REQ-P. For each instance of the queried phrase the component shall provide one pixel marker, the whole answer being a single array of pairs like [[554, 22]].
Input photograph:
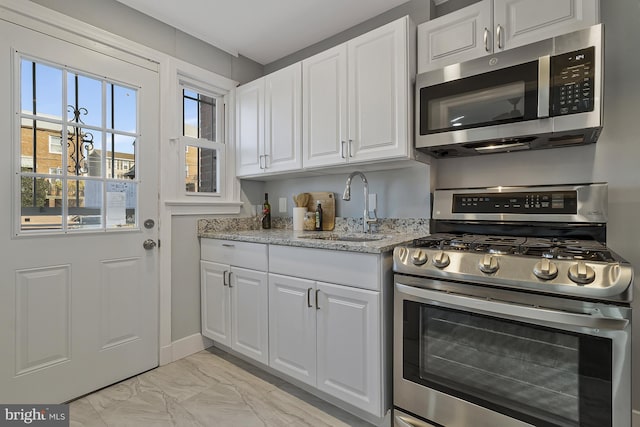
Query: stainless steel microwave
[[544, 95]]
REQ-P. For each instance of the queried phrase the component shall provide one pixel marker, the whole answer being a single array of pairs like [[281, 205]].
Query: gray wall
[[418, 10], [401, 193], [124, 21], [613, 159]]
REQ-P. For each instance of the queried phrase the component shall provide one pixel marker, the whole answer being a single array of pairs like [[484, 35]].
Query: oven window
[[543, 376], [502, 96]]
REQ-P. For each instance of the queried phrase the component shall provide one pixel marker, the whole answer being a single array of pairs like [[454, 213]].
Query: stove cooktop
[[562, 266], [551, 248]]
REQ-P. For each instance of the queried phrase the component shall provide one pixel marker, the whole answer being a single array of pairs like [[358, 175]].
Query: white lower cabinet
[[235, 300], [326, 323], [316, 316], [327, 336]]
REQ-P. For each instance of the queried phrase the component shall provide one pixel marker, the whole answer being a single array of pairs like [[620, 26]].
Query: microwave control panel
[[572, 80]]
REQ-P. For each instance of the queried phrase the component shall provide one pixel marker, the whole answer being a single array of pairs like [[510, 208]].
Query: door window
[[77, 148]]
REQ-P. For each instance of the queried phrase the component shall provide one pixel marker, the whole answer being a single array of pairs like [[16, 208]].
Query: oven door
[[466, 360]]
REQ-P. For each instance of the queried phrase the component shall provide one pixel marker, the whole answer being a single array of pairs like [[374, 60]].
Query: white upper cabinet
[[250, 128], [356, 99], [492, 26], [324, 94], [268, 123]]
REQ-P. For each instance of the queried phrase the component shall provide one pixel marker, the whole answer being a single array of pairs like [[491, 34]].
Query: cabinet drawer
[[240, 254], [343, 268]]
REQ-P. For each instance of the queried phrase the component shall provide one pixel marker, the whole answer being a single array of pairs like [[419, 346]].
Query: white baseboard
[[184, 347], [635, 418]]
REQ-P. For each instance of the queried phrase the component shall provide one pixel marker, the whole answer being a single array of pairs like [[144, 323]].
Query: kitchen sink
[[342, 238]]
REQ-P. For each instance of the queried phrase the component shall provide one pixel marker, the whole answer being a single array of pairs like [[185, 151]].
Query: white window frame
[[55, 141], [220, 139], [178, 75]]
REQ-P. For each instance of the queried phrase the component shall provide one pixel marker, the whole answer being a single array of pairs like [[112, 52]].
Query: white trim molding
[[184, 347]]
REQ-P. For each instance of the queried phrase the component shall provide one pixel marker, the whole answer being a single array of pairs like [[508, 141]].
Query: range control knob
[[441, 260], [489, 264], [545, 269], [581, 273], [419, 257]]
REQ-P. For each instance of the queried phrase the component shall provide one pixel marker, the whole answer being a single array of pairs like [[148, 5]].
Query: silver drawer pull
[[228, 245]]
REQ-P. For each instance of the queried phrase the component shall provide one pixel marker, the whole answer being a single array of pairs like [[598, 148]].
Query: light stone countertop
[[389, 234], [317, 239]]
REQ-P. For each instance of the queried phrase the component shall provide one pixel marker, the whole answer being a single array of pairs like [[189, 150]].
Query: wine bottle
[[266, 212], [318, 216]]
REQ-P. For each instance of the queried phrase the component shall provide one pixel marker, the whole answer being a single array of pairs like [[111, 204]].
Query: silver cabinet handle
[[499, 36], [260, 161], [265, 160], [342, 149], [351, 148], [486, 39], [317, 304], [230, 279], [224, 278], [228, 245], [309, 298]]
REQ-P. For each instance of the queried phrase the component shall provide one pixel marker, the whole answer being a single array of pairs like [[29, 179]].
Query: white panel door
[[378, 94], [250, 128], [283, 119], [292, 327], [527, 21], [215, 300], [79, 296], [348, 339], [324, 94], [249, 313]]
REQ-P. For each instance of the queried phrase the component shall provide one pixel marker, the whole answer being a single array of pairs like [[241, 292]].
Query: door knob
[[149, 244]]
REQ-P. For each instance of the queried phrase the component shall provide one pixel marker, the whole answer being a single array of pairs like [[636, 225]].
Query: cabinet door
[[216, 318], [348, 339], [249, 313], [459, 36], [379, 93], [324, 94], [283, 116], [292, 327], [527, 21], [250, 128]]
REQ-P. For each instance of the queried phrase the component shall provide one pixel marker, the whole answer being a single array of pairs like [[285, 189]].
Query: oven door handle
[[518, 312]]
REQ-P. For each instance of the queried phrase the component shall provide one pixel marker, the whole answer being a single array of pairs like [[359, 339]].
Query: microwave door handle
[[517, 312], [544, 85]]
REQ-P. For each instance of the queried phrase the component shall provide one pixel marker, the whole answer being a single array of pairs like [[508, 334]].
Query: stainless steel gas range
[[513, 313]]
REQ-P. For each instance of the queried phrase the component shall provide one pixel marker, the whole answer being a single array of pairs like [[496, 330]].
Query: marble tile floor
[[209, 388]]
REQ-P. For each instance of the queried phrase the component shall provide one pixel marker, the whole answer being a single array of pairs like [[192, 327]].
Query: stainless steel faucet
[[366, 219]]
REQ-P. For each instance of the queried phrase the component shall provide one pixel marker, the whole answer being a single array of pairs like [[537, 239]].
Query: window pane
[[41, 156], [84, 199], [199, 115], [201, 170], [190, 125], [41, 201], [41, 90], [84, 151], [122, 199], [121, 108], [121, 156], [207, 118], [84, 98]]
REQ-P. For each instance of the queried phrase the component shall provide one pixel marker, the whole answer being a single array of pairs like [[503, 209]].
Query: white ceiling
[[263, 30]]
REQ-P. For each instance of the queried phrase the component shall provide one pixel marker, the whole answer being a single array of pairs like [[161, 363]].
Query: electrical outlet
[[373, 201], [282, 205]]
